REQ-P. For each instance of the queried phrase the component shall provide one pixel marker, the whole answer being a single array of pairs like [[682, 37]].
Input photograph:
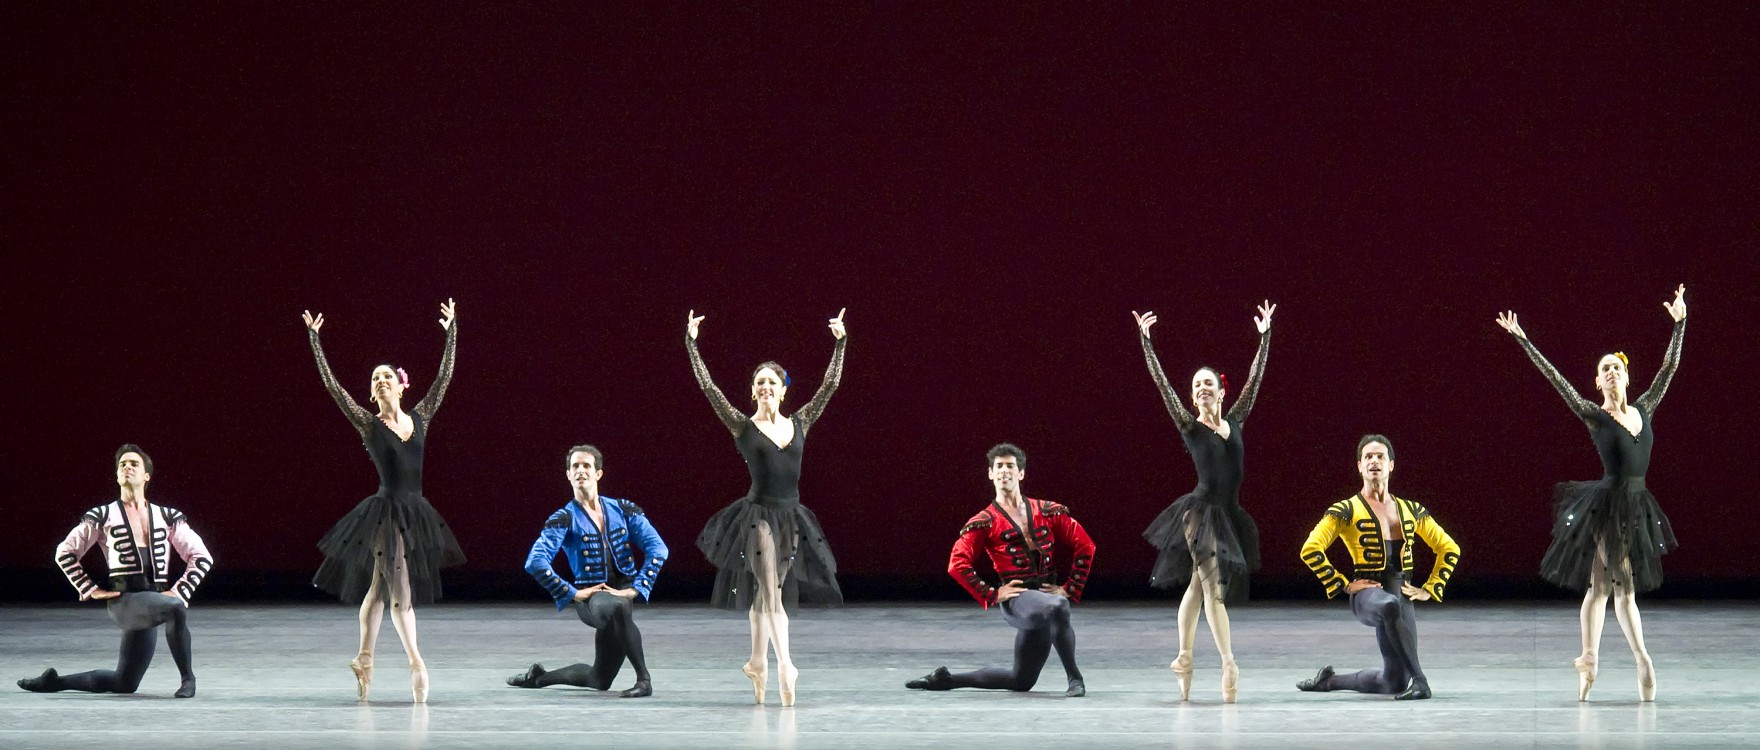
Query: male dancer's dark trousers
[[1041, 623], [139, 614], [1392, 616], [617, 639]]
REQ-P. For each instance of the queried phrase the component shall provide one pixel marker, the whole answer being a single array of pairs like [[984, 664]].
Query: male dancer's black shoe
[[940, 679], [1417, 692], [47, 682], [640, 690], [1317, 683], [1076, 688], [529, 679], [186, 690]]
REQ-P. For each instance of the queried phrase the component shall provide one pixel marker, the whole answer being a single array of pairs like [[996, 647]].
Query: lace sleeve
[[730, 416], [1181, 418], [430, 402], [357, 416], [1243, 404], [1670, 360], [1579, 405], [833, 374]]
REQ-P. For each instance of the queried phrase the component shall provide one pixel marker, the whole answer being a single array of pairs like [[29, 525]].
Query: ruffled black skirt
[[806, 570], [1197, 529], [393, 534], [1618, 515]]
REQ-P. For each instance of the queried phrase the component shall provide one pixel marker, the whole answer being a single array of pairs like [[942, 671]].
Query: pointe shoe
[[1585, 677], [760, 676], [1231, 677], [418, 681], [1646, 681], [1183, 671], [786, 686], [363, 676]]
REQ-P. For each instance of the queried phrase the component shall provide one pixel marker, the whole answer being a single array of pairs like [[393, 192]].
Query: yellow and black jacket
[[1354, 523]]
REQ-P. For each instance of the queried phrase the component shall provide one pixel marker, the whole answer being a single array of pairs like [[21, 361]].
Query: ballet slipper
[[418, 681], [1182, 669], [786, 683], [1231, 676], [1585, 676], [1646, 680], [362, 667], [760, 677]]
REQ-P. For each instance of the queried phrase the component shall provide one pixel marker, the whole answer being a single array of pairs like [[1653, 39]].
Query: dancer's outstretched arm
[[833, 374], [357, 416], [731, 417], [1672, 358], [1243, 404], [430, 402], [1580, 406], [1181, 418]]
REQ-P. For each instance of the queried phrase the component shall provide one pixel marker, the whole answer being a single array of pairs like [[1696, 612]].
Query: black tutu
[[1621, 513], [1220, 531], [811, 575], [370, 534]]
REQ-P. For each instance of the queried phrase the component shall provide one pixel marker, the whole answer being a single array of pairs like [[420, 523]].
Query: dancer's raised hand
[[1144, 320], [691, 321], [1508, 321], [1262, 321], [837, 330], [448, 311], [313, 323], [1678, 308]]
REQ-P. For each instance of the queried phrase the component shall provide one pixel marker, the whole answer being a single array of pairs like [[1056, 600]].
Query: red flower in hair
[[403, 377]]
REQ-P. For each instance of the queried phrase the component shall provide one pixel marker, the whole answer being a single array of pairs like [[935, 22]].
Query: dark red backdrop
[[989, 192]]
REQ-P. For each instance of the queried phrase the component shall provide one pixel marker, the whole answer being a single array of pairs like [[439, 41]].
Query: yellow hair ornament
[[1623, 359]]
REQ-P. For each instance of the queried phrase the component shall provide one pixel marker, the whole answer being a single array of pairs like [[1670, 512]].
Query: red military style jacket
[[992, 531]]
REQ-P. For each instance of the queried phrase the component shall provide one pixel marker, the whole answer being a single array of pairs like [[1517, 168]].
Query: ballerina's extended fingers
[[448, 311], [691, 322], [1144, 320], [313, 323], [1678, 308], [836, 324], [1263, 320], [1509, 323]]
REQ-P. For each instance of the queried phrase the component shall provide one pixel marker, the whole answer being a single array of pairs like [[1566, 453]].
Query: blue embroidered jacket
[[572, 531]]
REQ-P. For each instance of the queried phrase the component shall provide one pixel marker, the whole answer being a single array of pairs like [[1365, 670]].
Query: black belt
[[137, 582]]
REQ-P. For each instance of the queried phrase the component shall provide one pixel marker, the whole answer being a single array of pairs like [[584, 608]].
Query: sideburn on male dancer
[[1020, 534], [597, 535], [1378, 528], [138, 538]]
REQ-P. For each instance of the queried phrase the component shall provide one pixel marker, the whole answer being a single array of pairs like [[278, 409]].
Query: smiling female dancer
[[1208, 542], [768, 548], [1609, 535], [391, 547]]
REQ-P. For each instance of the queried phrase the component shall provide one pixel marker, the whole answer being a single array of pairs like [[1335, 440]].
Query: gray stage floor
[[275, 676]]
